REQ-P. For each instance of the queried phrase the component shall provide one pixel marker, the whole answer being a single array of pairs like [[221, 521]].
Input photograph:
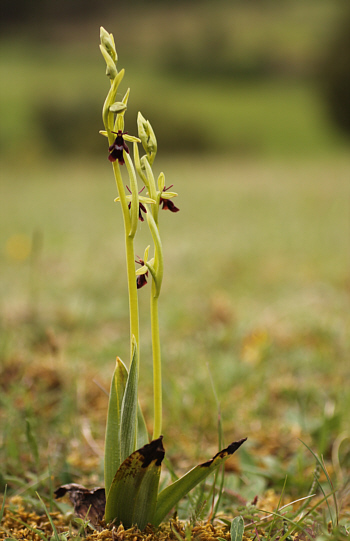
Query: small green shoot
[[237, 529]]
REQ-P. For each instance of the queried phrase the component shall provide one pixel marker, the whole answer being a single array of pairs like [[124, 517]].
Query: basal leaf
[[112, 440], [172, 494], [128, 422], [237, 529], [132, 497]]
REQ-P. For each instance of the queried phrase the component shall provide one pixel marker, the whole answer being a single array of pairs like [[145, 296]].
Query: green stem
[[157, 365], [133, 299], [130, 262]]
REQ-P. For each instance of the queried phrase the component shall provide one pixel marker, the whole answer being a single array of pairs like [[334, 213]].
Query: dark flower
[[141, 208], [141, 279], [116, 149], [166, 203]]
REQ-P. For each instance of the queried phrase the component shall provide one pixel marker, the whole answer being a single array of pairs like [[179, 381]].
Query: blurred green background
[[250, 104], [244, 77]]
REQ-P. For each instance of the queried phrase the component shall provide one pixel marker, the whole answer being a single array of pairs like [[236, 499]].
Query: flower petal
[[131, 138]]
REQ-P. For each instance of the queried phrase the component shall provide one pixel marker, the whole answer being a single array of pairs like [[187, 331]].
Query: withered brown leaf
[[87, 503]]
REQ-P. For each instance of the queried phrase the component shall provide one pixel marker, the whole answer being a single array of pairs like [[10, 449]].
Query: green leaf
[[172, 494], [132, 497], [112, 440], [128, 422], [237, 529]]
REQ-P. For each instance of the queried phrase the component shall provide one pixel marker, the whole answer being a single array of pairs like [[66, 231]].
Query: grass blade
[[278, 507], [55, 533], [132, 497], [172, 494], [3, 505]]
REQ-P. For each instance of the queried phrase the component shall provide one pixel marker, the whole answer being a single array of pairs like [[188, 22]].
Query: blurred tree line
[[335, 74], [203, 40]]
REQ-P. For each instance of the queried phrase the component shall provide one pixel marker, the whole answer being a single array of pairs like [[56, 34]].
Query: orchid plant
[[132, 463]]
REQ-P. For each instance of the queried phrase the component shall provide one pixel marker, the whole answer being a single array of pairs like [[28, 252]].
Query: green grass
[[257, 248]]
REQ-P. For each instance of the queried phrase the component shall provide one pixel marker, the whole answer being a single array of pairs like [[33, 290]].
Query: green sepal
[[112, 441], [132, 497], [168, 195], [141, 198], [171, 495], [131, 138], [142, 270], [128, 420]]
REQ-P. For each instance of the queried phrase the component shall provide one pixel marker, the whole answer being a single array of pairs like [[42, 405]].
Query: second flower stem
[[157, 367]]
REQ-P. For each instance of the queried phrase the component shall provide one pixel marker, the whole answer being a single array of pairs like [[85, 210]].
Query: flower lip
[[141, 279], [116, 148]]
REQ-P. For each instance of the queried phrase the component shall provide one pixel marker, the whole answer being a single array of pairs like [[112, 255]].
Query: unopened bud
[[107, 41], [147, 136], [111, 70]]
